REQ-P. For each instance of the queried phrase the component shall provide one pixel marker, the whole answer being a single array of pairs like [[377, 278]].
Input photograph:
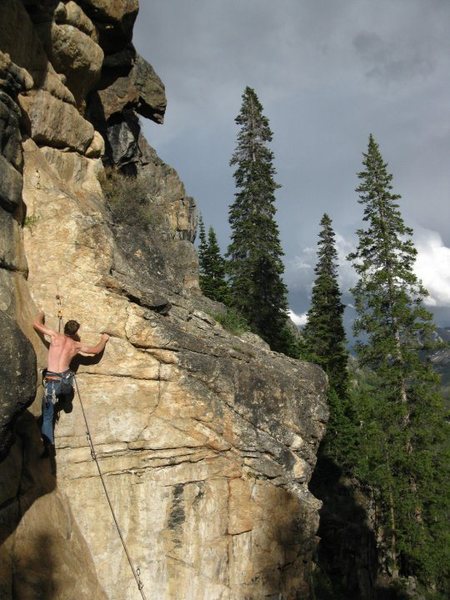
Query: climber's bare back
[[61, 352], [63, 347]]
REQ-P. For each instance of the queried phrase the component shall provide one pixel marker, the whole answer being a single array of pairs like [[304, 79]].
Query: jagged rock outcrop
[[114, 20], [207, 441], [129, 86], [140, 87]]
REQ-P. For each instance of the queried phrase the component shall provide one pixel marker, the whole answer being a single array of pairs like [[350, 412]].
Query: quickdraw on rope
[[60, 313], [136, 571]]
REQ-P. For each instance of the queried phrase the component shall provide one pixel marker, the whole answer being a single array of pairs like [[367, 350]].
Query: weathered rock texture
[[17, 359], [17, 377], [207, 441]]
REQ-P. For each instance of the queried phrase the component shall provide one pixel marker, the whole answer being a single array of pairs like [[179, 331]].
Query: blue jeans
[[61, 384]]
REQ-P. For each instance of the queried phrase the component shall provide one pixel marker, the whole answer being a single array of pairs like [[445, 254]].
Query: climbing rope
[[136, 571], [60, 312]]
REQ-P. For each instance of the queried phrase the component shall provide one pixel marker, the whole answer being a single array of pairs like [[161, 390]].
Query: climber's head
[[71, 327]]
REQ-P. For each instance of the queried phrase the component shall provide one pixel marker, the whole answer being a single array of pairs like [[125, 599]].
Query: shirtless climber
[[58, 379]]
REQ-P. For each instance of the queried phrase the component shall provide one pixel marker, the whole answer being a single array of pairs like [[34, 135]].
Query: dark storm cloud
[[328, 73], [389, 61]]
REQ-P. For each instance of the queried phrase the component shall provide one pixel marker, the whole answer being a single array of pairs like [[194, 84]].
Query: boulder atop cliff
[[140, 88]]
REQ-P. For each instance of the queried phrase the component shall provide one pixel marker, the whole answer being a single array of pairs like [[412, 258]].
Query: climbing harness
[[136, 571]]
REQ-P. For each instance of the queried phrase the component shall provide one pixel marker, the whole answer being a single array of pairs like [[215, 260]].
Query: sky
[[328, 73]]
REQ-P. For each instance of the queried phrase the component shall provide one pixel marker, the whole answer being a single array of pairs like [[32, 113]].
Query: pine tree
[[402, 419], [202, 252], [255, 265], [212, 266], [325, 345], [324, 332], [219, 289]]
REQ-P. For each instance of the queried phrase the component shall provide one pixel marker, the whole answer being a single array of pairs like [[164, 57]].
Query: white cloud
[[299, 320], [304, 261], [433, 266], [347, 274]]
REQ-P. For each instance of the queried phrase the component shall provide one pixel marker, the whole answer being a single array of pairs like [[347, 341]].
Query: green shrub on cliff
[[129, 200], [232, 321]]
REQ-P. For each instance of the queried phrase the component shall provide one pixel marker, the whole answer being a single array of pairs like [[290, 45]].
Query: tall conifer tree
[[325, 344], [324, 332], [402, 437], [255, 265]]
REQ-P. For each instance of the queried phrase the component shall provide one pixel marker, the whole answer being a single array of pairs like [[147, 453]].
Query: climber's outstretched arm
[[94, 349], [39, 325]]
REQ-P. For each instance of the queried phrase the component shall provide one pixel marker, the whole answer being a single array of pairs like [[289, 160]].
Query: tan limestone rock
[[26, 49], [77, 171], [97, 146], [166, 249], [240, 508], [72, 14], [74, 54], [195, 449], [56, 123]]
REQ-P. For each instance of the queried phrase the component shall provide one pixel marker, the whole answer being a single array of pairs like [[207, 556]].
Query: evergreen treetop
[[389, 297], [212, 266], [255, 264], [324, 332]]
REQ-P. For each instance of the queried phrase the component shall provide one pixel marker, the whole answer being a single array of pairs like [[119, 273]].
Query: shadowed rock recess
[[207, 441]]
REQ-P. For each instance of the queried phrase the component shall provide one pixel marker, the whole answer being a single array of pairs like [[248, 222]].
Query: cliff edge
[[207, 441]]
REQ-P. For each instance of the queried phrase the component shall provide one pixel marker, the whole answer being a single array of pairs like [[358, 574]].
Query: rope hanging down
[[136, 572], [60, 313]]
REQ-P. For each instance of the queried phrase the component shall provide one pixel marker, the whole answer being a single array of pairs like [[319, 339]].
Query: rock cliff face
[[206, 441]]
